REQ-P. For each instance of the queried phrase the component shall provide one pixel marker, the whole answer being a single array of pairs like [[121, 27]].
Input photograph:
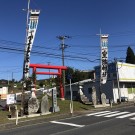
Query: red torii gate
[[59, 73]]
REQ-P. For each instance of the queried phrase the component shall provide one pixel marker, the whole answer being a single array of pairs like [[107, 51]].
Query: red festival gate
[[59, 73]]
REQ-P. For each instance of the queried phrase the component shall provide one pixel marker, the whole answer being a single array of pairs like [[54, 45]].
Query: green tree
[[77, 75], [34, 77], [130, 58], [28, 84], [41, 84]]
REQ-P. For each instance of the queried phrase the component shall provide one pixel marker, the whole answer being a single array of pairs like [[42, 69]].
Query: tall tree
[[77, 75], [130, 58]]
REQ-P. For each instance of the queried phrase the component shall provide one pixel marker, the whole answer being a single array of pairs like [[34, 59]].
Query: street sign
[[11, 99]]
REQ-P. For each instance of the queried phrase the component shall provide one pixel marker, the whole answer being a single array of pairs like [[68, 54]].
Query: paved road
[[114, 122]]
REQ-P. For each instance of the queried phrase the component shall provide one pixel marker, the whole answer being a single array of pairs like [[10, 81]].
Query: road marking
[[97, 113], [132, 118], [125, 116], [69, 124], [107, 113], [116, 114]]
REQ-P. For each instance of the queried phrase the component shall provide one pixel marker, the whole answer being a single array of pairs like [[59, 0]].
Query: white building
[[120, 85]]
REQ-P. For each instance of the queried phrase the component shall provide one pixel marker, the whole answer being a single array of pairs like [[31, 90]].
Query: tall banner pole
[[24, 84], [104, 60], [31, 27], [27, 21]]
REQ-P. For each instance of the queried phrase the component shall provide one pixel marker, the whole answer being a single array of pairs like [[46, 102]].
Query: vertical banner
[[104, 58], [32, 27]]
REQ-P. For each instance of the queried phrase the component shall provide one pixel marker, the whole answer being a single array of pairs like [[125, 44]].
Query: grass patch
[[131, 90], [77, 106], [4, 117], [64, 106]]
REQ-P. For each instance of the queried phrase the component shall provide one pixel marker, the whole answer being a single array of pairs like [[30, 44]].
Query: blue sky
[[80, 19]]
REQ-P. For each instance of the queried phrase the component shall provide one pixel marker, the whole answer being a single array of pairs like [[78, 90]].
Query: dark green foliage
[[28, 84], [130, 58], [77, 75], [41, 84], [34, 77]]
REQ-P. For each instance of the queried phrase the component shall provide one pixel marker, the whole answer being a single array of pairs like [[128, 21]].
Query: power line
[[19, 50], [43, 53], [5, 43], [15, 47]]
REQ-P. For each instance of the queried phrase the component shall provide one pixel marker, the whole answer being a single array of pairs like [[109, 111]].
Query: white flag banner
[[32, 27], [104, 58]]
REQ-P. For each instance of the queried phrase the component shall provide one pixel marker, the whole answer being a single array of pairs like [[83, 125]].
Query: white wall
[[126, 72]]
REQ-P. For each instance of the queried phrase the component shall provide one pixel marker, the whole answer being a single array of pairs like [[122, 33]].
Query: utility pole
[[8, 78], [12, 80], [119, 92], [24, 79], [63, 47]]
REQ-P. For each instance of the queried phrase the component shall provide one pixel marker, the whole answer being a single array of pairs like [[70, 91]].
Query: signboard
[[3, 92], [32, 27], [55, 108], [11, 99], [104, 58], [126, 72], [54, 95]]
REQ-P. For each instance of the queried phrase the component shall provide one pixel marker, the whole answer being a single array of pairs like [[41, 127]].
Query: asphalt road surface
[[114, 122]]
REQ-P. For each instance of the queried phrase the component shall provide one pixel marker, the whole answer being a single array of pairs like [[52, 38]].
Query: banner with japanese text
[[104, 58], [32, 27]]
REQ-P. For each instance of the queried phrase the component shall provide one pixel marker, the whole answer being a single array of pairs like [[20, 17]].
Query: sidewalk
[[56, 116]]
